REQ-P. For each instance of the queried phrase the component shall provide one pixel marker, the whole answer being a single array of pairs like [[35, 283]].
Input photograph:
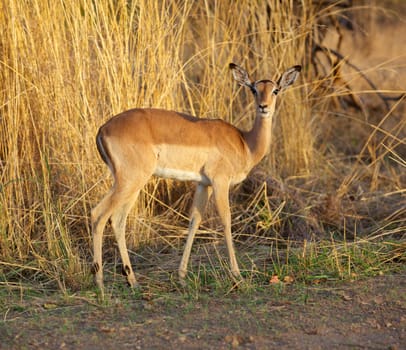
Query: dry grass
[[68, 67]]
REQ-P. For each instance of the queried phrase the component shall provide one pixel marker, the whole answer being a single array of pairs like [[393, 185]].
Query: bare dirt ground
[[367, 314]]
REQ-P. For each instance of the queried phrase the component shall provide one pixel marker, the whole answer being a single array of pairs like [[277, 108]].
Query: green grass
[[313, 264]]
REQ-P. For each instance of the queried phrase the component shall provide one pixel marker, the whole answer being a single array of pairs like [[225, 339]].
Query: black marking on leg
[[95, 268], [191, 223], [126, 270]]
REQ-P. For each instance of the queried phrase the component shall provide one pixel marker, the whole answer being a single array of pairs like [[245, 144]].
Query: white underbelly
[[181, 175]]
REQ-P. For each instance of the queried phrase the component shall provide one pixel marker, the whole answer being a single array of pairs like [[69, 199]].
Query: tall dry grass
[[67, 66]]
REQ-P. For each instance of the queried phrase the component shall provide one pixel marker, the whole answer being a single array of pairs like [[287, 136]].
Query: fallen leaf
[[311, 331], [393, 347], [107, 329], [379, 300], [182, 338], [344, 295], [288, 279], [147, 296], [236, 340], [228, 338], [274, 279], [148, 306]]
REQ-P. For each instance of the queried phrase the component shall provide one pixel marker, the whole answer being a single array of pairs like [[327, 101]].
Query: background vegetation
[[331, 191]]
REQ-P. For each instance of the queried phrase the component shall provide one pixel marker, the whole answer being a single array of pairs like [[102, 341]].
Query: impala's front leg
[[200, 199], [221, 193]]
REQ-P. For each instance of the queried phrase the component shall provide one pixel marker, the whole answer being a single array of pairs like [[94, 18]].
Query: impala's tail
[[103, 151]]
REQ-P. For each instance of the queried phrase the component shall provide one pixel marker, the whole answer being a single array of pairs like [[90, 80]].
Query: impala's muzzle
[[263, 109]]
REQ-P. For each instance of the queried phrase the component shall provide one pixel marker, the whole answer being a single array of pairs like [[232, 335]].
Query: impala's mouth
[[263, 110]]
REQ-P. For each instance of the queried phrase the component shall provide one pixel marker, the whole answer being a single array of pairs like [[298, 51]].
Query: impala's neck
[[258, 138]]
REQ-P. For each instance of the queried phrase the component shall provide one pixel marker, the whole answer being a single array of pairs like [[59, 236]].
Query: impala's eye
[[276, 91], [253, 90]]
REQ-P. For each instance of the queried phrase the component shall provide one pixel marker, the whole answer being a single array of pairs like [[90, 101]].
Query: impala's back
[[172, 145]]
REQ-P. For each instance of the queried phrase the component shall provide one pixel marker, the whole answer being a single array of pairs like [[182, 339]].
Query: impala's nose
[[263, 108]]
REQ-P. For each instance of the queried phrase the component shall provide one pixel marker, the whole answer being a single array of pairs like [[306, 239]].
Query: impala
[[140, 143]]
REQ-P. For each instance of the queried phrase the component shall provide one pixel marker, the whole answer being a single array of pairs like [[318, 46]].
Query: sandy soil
[[368, 314]]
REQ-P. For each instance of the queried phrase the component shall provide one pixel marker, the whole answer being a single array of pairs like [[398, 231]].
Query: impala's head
[[265, 91]]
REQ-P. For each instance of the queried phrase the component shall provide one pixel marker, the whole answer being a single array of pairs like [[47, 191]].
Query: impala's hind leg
[[99, 216], [116, 204], [118, 223]]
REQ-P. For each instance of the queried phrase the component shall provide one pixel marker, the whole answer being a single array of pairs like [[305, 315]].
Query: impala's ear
[[289, 77], [241, 76]]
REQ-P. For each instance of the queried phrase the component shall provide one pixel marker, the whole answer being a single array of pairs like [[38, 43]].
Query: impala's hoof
[[237, 274], [100, 288], [128, 272], [132, 282], [182, 282], [182, 274]]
